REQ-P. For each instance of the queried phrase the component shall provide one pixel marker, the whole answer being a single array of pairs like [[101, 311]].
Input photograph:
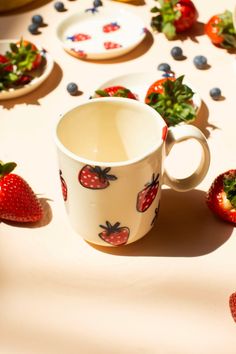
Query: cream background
[[165, 294]]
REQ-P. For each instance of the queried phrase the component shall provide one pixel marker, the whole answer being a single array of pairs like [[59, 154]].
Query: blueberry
[[215, 93], [33, 28], [164, 67], [177, 53], [200, 61], [59, 6], [72, 88], [37, 19], [97, 3]]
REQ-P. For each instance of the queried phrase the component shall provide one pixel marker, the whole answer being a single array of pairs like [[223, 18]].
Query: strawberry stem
[[227, 30], [229, 183], [6, 168], [174, 104]]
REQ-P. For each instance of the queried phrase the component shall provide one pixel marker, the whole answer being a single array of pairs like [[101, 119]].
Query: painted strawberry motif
[[79, 37], [232, 305], [111, 45], [111, 27], [63, 186], [147, 195], [95, 177], [155, 216], [114, 234], [18, 202], [78, 53]]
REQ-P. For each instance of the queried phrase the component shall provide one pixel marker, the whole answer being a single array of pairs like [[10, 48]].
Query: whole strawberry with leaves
[[221, 31], [24, 55], [173, 17], [116, 91], [18, 202], [172, 99], [221, 197]]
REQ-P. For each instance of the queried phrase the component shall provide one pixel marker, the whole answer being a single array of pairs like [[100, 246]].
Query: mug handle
[[180, 133]]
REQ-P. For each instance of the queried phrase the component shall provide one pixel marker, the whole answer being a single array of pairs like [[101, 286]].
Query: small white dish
[[40, 74], [139, 83], [86, 35]]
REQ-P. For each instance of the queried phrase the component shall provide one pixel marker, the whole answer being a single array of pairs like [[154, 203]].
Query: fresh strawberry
[[111, 45], [221, 31], [111, 27], [147, 195], [116, 91], [232, 305], [24, 79], [95, 177], [17, 200], [174, 16], [172, 100], [79, 37], [114, 234], [221, 197], [24, 55], [63, 186], [7, 64]]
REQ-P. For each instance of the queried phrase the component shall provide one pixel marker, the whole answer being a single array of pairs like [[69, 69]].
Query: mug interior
[[110, 130]]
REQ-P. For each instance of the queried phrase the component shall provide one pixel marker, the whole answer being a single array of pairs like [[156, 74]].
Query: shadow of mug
[[187, 231]]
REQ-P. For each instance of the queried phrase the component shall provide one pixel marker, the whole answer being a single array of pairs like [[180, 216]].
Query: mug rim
[[127, 162]]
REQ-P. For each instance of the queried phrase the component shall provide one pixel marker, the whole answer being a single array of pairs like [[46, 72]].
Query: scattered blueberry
[[215, 93], [59, 6], [200, 61], [72, 88], [37, 19], [168, 74], [33, 28], [164, 67], [177, 53], [97, 3]]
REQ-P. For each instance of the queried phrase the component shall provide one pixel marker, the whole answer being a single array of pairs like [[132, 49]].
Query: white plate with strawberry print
[[139, 82], [31, 79], [101, 34]]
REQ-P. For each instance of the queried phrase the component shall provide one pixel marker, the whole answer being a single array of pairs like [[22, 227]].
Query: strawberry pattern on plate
[[102, 35]]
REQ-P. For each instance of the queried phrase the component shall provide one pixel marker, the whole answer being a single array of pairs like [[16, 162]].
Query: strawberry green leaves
[[229, 183], [173, 16], [221, 31], [174, 103], [17, 63]]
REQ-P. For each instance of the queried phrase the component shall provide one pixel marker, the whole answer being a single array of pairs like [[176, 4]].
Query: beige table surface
[[167, 293]]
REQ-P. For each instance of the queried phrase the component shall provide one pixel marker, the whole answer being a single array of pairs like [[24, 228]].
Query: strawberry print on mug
[[147, 195], [115, 235], [63, 186], [95, 177]]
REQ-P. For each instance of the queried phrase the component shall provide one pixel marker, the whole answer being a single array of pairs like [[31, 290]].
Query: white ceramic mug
[[111, 154]]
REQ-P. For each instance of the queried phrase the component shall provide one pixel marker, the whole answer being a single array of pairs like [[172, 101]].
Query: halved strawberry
[[174, 16], [221, 31], [172, 100], [116, 91], [18, 202], [221, 197]]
